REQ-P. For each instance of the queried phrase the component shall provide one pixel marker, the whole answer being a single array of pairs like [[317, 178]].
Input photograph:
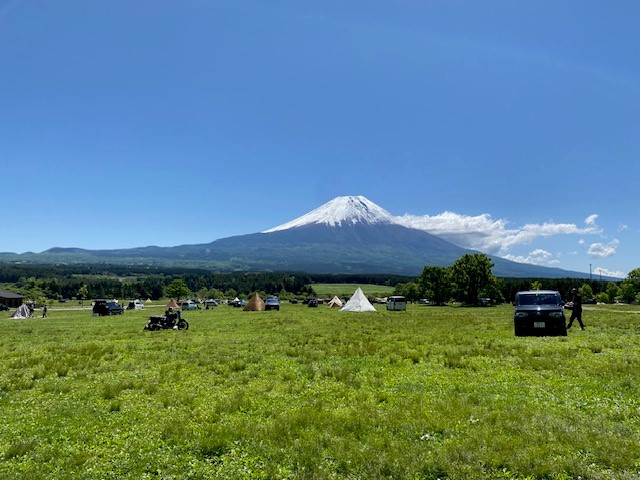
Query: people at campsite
[[576, 312]]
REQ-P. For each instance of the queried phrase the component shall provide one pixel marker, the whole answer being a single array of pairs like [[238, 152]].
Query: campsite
[[431, 392]]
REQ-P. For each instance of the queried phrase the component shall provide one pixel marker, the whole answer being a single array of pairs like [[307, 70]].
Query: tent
[[256, 304], [148, 300], [173, 304], [358, 303], [335, 302], [22, 312]]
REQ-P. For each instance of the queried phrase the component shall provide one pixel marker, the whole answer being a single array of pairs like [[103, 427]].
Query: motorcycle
[[170, 320]]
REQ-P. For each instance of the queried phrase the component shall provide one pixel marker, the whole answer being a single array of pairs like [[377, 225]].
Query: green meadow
[[345, 290], [312, 393]]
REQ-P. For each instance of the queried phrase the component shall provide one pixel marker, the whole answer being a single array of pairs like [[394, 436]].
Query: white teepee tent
[[358, 303], [335, 302]]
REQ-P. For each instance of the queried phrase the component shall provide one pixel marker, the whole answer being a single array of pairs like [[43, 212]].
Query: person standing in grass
[[576, 313], [44, 312]]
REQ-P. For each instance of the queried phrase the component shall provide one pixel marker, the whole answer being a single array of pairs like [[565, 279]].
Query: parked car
[[3, 307], [189, 305], [313, 302], [211, 303], [237, 303], [539, 313], [396, 302], [107, 307], [136, 305], [272, 303]]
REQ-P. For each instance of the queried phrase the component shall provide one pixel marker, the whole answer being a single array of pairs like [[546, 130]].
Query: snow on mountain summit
[[347, 210]]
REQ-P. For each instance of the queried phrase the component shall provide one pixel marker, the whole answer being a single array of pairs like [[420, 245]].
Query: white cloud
[[536, 257], [622, 227], [608, 273], [590, 221], [487, 235], [604, 250]]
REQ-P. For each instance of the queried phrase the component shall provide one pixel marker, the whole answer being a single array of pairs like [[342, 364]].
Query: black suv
[[272, 303], [107, 307], [539, 313], [3, 307]]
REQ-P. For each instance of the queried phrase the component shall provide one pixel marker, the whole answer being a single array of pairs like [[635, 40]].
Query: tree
[[410, 291], [612, 292], [83, 292], [537, 285], [627, 292], [586, 292], [630, 286], [177, 289], [435, 284], [471, 274]]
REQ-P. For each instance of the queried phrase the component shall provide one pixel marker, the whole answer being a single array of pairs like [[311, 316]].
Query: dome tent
[[358, 303]]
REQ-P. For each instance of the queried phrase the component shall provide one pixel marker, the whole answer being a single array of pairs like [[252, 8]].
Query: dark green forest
[[46, 283], [84, 282]]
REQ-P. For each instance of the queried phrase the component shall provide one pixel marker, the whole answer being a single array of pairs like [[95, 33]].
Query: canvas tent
[[256, 304], [335, 302], [358, 303], [22, 312], [173, 304]]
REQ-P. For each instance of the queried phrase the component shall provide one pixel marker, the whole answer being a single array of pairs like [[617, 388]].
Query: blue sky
[[506, 126]]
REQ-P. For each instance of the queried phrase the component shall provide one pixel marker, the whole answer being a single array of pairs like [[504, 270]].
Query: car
[[189, 305], [313, 302], [3, 307], [211, 303], [396, 302], [107, 307], [136, 305], [539, 313], [272, 303]]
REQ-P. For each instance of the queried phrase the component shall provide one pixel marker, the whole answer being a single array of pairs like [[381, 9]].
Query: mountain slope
[[346, 235]]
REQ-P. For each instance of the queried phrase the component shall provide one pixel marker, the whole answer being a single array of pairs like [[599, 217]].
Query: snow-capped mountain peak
[[340, 211]]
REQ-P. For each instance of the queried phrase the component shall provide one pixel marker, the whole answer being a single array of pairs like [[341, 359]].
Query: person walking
[[44, 312], [576, 313]]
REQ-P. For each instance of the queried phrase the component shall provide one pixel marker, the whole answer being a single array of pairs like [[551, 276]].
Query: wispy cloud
[[483, 233], [603, 250]]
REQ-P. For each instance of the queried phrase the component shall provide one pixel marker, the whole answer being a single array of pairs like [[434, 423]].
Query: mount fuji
[[348, 234]]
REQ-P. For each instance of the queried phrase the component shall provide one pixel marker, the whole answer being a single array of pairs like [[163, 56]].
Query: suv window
[[538, 299]]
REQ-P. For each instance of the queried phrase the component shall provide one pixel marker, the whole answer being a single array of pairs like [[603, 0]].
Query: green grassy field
[[345, 290], [434, 392]]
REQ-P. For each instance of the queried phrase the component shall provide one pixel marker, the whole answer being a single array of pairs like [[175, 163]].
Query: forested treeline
[[470, 279], [85, 282], [101, 281]]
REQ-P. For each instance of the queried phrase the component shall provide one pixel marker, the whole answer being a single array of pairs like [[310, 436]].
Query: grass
[[345, 290], [434, 392]]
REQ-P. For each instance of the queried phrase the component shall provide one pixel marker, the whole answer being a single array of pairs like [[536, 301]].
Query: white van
[[135, 305], [189, 305], [396, 302]]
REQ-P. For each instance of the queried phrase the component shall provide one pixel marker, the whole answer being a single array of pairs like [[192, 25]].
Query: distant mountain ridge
[[349, 234]]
